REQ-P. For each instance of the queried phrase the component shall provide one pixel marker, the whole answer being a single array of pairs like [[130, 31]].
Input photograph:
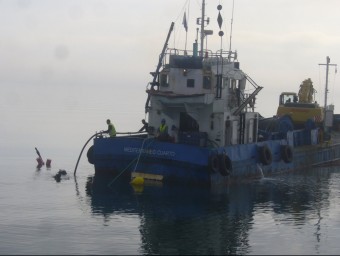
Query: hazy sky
[[67, 65]]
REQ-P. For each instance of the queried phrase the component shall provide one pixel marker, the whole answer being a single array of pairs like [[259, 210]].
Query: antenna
[[200, 21], [231, 28]]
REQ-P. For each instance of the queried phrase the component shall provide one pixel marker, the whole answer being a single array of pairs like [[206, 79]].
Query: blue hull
[[125, 155], [171, 162]]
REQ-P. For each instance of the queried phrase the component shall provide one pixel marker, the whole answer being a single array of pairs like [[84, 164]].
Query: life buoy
[[90, 156], [266, 157], [286, 153], [225, 165], [214, 163]]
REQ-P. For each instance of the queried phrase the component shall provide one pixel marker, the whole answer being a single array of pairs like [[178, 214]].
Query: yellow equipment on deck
[[301, 107]]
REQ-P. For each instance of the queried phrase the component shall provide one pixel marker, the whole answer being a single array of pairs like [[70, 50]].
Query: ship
[[215, 136]]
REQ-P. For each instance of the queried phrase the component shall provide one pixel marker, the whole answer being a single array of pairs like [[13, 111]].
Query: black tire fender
[[214, 163], [90, 155], [225, 165], [287, 153], [266, 156]]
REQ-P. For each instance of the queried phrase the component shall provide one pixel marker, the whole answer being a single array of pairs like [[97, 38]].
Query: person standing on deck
[[111, 130], [162, 131], [174, 134]]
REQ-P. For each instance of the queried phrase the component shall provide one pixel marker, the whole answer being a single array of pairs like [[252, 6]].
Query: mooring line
[[121, 172], [140, 152], [135, 159]]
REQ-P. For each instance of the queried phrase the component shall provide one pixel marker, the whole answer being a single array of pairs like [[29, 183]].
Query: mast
[[327, 69], [326, 86], [201, 21], [202, 27], [231, 30]]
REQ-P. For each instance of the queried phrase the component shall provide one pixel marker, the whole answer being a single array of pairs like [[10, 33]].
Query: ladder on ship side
[[250, 97]]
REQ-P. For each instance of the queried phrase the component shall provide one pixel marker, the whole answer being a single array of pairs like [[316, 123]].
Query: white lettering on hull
[[157, 152]]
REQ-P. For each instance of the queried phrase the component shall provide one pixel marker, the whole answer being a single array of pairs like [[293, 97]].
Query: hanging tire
[[266, 157], [90, 156], [214, 163], [287, 153], [225, 165]]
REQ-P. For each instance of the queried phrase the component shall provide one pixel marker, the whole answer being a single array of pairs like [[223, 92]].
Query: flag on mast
[[185, 24]]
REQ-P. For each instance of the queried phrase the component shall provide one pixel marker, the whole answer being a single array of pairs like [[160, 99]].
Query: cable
[[81, 152]]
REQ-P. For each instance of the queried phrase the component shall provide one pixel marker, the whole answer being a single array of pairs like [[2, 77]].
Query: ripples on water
[[287, 214]]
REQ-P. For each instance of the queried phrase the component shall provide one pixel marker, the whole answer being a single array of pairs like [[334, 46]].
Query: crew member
[[145, 126], [111, 130], [162, 131], [174, 134]]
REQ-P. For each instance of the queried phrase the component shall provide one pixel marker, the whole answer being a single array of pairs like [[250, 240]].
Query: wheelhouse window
[[234, 84], [191, 83], [164, 80], [206, 82]]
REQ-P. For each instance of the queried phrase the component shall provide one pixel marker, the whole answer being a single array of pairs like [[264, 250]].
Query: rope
[[140, 152], [131, 162], [121, 172]]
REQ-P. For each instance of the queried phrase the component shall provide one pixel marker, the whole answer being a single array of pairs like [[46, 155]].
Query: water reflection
[[178, 220]]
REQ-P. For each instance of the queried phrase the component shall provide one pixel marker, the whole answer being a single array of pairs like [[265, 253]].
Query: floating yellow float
[[137, 181]]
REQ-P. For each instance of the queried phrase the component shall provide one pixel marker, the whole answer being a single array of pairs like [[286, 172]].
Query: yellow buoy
[[138, 181], [137, 188]]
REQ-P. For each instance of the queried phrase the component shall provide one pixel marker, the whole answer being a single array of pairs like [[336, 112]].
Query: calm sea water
[[287, 214]]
